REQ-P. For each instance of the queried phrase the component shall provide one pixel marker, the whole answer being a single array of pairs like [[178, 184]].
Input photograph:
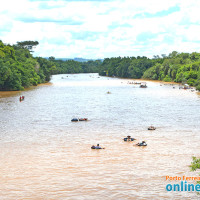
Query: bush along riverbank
[[176, 67]]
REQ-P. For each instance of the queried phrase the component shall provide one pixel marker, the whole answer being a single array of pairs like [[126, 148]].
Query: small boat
[[152, 128], [129, 138], [186, 86], [143, 143], [108, 92]]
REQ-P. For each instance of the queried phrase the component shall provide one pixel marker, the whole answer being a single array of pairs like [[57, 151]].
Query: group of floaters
[[79, 119], [21, 98], [128, 139], [142, 84]]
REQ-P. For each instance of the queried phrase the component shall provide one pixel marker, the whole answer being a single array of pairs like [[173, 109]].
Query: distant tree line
[[126, 67], [72, 66], [177, 67]]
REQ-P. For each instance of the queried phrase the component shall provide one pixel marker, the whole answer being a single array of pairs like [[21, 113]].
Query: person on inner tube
[[98, 147]]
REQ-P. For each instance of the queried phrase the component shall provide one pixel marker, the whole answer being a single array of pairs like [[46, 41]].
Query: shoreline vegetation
[[20, 70], [182, 68], [18, 92]]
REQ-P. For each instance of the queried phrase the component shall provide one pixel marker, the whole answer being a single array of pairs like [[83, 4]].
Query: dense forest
[[177, 67], [72, 66], [19, 69]]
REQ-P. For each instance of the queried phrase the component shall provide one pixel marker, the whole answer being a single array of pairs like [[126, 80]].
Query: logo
[[183, 185]]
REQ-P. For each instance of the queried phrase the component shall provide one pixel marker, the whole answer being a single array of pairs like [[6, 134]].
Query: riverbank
[[9, 93], [132, 81], [4, 94]]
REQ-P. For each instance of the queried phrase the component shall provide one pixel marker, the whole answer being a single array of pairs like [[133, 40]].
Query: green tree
[[195, 164], [28, 45]]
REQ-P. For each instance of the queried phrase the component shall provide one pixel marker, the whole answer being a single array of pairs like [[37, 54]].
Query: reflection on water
[[46, 156]]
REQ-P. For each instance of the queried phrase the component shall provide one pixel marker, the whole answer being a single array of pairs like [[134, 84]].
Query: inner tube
[[127, 139], [83, 119], [74, 120], [93, 147], [141, 144]]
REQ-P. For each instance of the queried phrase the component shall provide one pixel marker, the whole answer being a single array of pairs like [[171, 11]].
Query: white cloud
[[95, 29]]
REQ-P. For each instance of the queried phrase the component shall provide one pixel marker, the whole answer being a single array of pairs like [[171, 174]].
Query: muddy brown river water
[[45, 156]]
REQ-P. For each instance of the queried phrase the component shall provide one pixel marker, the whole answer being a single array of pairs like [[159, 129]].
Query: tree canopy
[[19, 69], [177, 67], [28, 45]]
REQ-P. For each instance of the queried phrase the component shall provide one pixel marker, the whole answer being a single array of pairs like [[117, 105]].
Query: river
[[46, 156]]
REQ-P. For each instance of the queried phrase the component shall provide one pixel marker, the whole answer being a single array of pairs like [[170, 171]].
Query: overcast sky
[[102, 28]]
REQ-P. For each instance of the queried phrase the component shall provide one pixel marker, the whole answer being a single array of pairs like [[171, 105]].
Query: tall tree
[[28, 45]]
